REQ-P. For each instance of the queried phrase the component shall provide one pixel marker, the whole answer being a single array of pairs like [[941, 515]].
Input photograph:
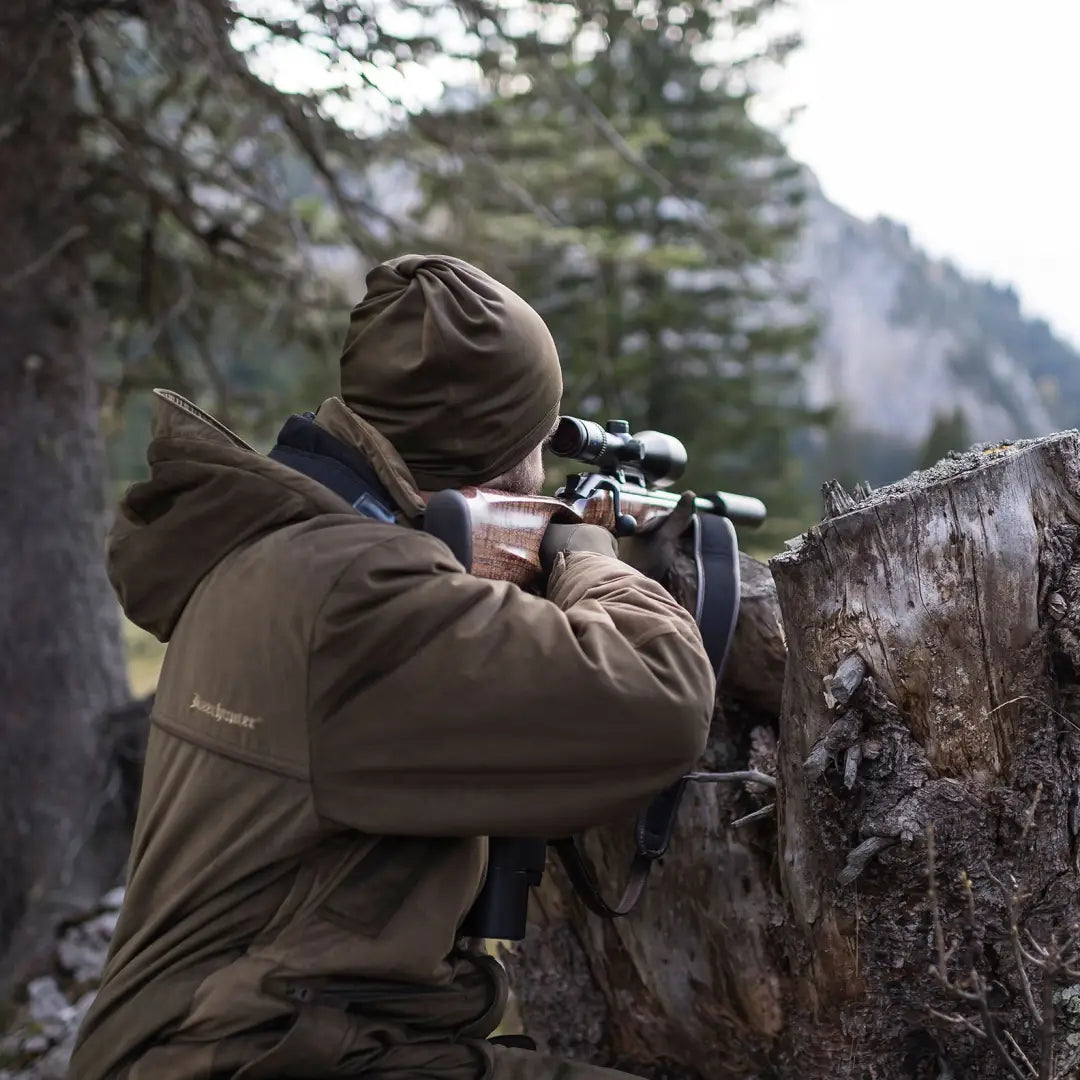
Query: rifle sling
[[584, 882], [652, 835], [716, 555]]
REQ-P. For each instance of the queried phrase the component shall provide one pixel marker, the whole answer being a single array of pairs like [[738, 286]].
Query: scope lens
[[581, 439], [663, 457]]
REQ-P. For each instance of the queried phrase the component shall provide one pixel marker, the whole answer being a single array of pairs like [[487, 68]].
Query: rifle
[[628, 489], [497, 535]]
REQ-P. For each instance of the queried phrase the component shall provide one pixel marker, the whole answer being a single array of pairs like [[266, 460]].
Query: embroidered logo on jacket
[[216, 711]]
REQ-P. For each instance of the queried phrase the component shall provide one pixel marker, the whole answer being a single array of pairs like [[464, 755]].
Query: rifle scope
[[659, 458]]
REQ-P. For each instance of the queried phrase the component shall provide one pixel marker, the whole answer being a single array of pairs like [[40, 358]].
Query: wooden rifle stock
[[507, 529]]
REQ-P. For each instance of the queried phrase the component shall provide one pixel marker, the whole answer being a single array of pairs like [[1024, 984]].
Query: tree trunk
[[61, 664], [930, 719]]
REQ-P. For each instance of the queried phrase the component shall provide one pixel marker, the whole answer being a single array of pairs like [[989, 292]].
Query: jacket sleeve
[[444, 704]]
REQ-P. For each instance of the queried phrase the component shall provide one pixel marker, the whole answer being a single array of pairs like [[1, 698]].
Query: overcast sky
[[960, 118]]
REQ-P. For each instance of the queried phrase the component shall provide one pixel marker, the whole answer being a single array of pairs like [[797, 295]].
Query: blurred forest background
[[246, 162], [193, 191]]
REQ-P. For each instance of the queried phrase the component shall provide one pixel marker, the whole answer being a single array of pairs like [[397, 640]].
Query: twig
[[39, 262], [747, 775], [750, 775], [1042, 954], [1029, 817], [757, 815], [595, 116], [1023, 1057], [1018, 950], [1028, 697], [1046, 1031], [1070, 942], [991, 1029], [545, 214], [979, 995], [600, 122], [935, 911], [305, 138], [1052, 961], [958, 1020], [177, 308]]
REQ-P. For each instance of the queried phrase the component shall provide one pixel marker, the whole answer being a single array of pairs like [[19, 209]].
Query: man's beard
[[525, 478]]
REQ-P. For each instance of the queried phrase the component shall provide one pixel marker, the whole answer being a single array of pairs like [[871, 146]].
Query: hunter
[[344, 714]]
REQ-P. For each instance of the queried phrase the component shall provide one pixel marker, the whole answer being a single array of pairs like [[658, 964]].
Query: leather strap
[[518, 1042], [585, 885], [652, 836]]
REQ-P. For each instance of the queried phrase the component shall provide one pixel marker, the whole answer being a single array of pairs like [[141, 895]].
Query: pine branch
[[42, 261]]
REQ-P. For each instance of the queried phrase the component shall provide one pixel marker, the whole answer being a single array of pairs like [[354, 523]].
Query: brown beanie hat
[[456, 370]]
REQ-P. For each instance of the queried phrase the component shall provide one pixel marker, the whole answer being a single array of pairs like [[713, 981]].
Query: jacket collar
[[341, 422], [308, 448]]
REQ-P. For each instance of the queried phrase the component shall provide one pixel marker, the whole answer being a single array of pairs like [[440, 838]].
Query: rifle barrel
[[738, 509]]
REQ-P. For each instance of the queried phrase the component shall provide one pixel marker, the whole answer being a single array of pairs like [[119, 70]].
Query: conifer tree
[[613, 172], [949, 432]]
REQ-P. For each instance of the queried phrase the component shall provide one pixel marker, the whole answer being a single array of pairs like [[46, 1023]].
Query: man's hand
[[652, 548], [559, 539]]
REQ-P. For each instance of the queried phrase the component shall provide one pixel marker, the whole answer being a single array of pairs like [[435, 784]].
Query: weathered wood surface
[[933, 667]]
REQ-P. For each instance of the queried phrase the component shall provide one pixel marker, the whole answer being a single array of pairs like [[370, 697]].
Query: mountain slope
[[906, 338]]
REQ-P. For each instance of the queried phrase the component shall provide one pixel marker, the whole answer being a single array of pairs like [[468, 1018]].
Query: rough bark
[[61, 663], [930, 694]]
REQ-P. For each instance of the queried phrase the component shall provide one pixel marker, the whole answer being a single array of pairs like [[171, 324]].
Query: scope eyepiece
[[581, 439], [659, 458]]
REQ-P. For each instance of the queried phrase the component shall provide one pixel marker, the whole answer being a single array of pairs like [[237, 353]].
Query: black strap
[[716, 552], [652, 836], [310, 449], [519, 1042], [585, 885]]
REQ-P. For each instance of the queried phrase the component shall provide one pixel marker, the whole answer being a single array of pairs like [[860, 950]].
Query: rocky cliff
[[906, 338]]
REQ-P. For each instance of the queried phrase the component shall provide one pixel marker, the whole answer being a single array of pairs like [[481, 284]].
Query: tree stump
[[910, 910]]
